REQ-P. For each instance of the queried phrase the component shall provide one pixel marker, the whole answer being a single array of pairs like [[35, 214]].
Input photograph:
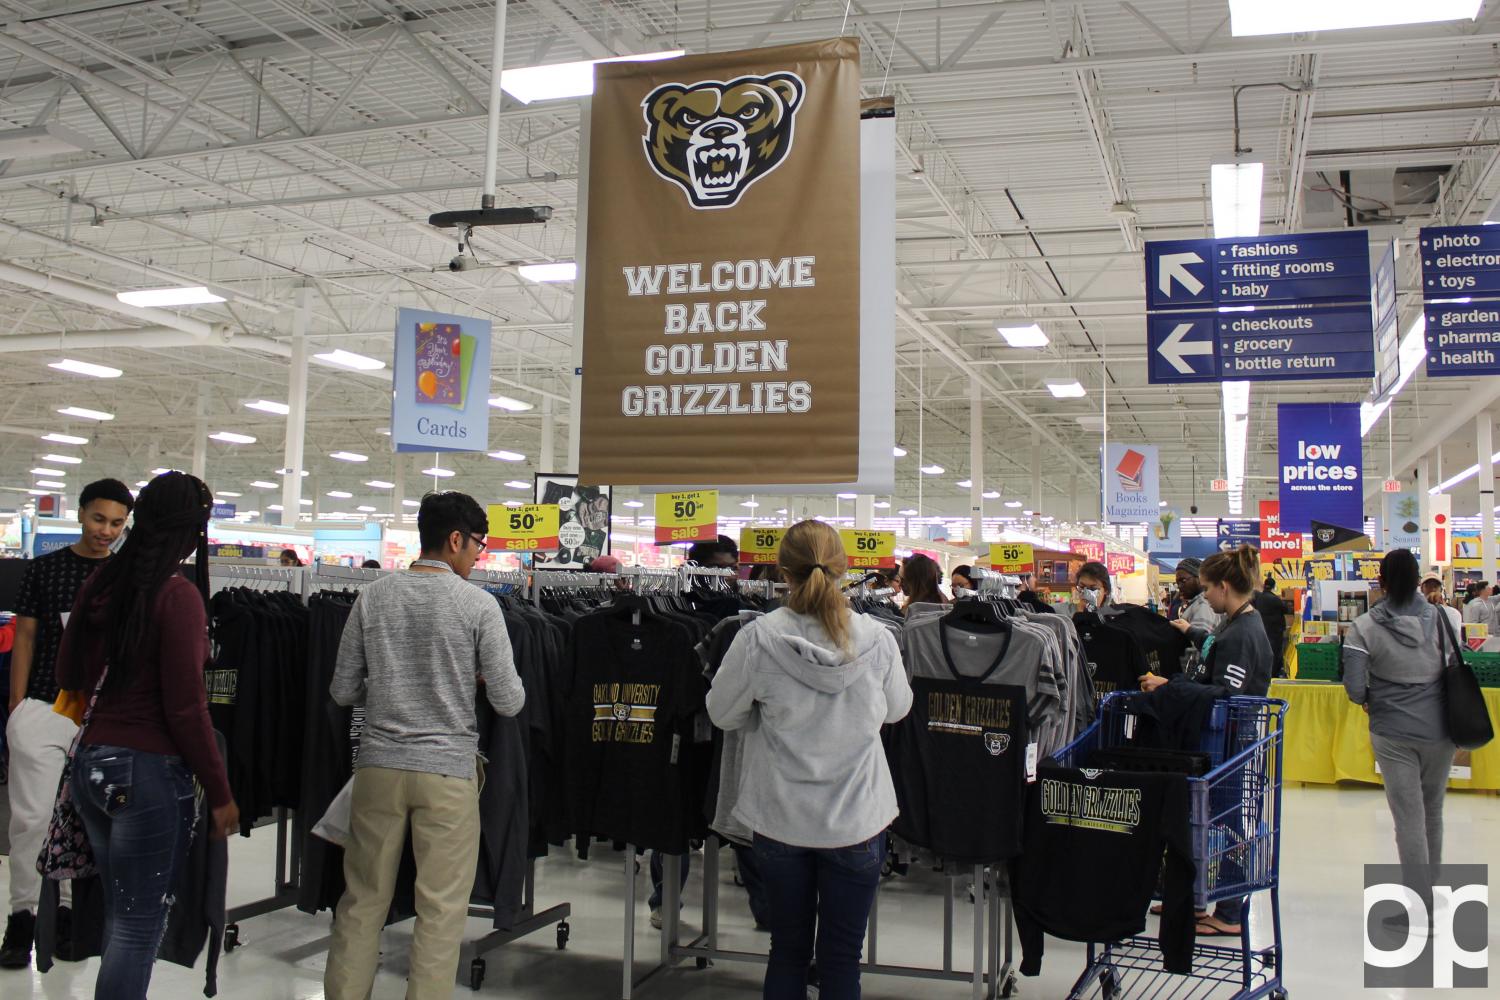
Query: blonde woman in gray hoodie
[[811, 684]]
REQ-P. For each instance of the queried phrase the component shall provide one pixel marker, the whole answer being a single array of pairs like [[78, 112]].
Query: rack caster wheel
[[1279, 995], [702, 963], [476, 974], [1009, 989], [1109, 987], [231, 938], [564, 932]]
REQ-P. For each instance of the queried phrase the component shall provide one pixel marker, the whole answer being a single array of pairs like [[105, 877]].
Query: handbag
[[66, 853], [1469, 725]]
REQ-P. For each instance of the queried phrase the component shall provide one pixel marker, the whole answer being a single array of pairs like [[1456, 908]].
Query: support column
[[398, 493], [296, 418], [200, 437], [1424, 507], [547, 459], [976, 465], [580, 256], [864, 511], [1484, 432], [1036, 471]]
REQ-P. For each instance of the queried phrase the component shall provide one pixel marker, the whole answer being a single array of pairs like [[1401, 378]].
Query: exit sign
[[1391, 486], [1219, 486]]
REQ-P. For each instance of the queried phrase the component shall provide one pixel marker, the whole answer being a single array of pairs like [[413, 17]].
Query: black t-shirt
[[1114, 657], [1160, 643], [1093, 851], [47, 593], [1239, 658], [958, 761]]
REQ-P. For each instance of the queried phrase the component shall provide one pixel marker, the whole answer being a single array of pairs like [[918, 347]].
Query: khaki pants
[[444, 816]]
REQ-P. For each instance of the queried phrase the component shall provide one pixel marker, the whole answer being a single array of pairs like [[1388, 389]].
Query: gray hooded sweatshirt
[[1393, 665], [814, 772]]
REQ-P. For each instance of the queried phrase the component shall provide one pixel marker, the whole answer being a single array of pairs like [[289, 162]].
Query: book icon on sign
[[1132, 464]]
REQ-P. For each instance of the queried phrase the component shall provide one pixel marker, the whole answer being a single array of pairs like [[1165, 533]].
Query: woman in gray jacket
[[1393, 666], [811, 684]]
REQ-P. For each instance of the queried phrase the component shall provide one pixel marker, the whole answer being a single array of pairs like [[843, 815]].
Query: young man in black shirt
[[39, 738]]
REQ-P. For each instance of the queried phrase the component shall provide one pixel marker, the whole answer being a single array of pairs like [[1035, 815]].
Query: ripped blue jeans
[[138, 809]]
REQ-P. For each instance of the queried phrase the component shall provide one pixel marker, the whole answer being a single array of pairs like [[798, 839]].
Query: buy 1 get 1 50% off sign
[[687, 517], [528, 528]]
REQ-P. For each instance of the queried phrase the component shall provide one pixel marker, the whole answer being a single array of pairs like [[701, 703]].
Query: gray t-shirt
[[410, 655], [1028, 658]]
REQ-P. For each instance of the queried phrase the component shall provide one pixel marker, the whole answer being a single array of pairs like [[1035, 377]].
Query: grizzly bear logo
[[715, 139]]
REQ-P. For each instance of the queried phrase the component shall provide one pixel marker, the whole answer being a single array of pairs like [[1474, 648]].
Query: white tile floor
[[1329, 834]]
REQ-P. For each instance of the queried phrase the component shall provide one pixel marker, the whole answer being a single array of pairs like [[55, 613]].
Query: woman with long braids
[[138, 642]]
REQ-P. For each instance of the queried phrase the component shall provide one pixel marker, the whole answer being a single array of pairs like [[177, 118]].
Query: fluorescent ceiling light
[[1468, 473], [161, 472], [227, 493], [269, 406], [340, 494], [276, 508], [261, 484], [1162, 503], [1029, 335], [562, 271], [1067, 390], [380, 484], [508, 456], [882, 505], [305, 503], [932, 470], [41, 140], [991, 494], [751, 504], [510, 403], [1236, 196], [52, 483], [288, 472], [411, 503], [847, 496], [559, 80], [365, 510], [513, 503], [349, 456], [964, 484], [1013, 504], [86, 368], [1283, 17], [898, 451], [65, 439], [517, 484], [40, 493], [438, 472], [348, 359], [231, 437], [634, 504], [781, 510], [85, 414], [64, 459], [908, 512], [149, 298]]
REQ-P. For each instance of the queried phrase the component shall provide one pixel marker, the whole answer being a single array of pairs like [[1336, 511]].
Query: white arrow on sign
[[1174, 265], [1175, 351]]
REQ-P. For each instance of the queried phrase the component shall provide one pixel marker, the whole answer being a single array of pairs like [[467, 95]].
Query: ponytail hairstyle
[[171, 521], [1399, 575], [813, 563], [1239, 570], [919, 581]]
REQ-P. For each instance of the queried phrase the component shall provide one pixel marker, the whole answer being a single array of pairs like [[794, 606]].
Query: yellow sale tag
[[869, 549], [529, 528], [687, 517], [1013, 557], [759, 546]]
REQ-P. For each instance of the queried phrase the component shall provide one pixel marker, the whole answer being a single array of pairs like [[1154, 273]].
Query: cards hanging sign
[[441, 385], [722, 283]]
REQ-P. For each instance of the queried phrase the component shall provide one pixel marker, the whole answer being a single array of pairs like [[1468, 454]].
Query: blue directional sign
[[1285, 307], [1387, 350], [223, 511], [1179, 274], [1463, 338], [1460, 260]]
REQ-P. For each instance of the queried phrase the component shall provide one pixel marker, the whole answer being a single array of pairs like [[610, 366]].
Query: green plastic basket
[[1318, 661], [1486, 667]]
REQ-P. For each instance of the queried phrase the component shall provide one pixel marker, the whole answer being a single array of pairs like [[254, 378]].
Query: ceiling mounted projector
[[491, 217]]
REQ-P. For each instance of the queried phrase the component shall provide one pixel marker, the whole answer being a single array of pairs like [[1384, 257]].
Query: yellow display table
[[1328, 738]]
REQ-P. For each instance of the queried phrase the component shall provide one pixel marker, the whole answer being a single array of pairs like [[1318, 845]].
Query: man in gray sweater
[[410, 654]]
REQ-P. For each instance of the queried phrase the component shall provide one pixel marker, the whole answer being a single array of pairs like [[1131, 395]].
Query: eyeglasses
[[480, 541]]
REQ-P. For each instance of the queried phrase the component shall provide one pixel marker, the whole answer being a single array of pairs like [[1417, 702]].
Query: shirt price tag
[[1031, 762], [687, 517], [869, 549], [528, 528], [759, 546]]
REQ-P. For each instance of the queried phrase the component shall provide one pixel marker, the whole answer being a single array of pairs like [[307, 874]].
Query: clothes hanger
[[976, 614]]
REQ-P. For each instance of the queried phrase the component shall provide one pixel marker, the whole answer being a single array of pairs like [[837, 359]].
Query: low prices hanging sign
[[869, 549], [759, 546], [1276, 544], [687, 517], [531, 527], [1013, 557], [1120, 563], [1090, 550]]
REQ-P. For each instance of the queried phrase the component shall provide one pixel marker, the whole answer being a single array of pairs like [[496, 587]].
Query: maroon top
[[165, 710]]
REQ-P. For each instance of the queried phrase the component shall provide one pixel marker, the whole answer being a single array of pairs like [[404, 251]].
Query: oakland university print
[[721, 338]]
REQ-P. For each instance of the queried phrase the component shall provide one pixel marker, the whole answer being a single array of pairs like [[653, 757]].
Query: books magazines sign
[[1132, 492], [1321, 465], [440, 398], [721, 283]]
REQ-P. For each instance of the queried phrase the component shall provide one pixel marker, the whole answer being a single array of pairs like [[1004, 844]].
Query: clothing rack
[[224, 576], [992, 975]]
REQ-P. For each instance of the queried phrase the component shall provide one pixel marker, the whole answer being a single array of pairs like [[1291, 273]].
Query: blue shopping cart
[[1235, 818]]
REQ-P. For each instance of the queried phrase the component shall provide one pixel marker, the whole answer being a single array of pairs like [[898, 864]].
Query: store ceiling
[[265, 146]]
